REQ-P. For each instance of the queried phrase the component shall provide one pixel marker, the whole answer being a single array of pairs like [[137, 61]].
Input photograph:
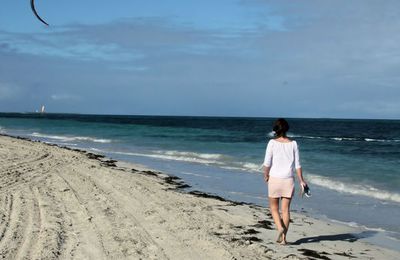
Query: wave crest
[[355, 189], [71, 138], [343, 138]]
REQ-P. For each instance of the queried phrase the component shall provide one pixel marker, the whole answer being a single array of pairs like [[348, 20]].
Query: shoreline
[[169, 222]]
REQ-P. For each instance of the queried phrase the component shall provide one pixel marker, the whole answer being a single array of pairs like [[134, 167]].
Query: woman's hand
[[266, 173], [299, 172]]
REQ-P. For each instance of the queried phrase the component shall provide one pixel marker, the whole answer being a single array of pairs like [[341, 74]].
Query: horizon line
[[199, 116]]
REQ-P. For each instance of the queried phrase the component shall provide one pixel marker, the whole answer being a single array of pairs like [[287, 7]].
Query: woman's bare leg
[[274, 206], [285, 209]]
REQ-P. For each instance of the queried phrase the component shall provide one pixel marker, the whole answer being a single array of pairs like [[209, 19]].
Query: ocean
[[352, 166]]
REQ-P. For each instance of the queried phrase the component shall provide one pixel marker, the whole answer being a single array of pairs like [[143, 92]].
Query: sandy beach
[[69, 204]]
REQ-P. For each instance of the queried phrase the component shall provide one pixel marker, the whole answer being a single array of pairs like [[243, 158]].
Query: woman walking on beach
[[281, 160]]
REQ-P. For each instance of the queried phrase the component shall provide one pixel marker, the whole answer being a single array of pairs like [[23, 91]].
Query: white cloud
[[62, 46], [130, 68], [64, 97]]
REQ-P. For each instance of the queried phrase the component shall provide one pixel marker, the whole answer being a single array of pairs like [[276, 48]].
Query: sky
[[283, 58]]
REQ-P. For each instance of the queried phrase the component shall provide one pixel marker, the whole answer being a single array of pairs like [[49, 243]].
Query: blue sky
[[216, 58]]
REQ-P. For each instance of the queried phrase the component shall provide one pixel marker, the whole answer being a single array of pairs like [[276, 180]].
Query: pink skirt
[[278, 187]]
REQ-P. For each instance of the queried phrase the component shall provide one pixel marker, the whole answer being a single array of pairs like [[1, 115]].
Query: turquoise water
[[352, 166]]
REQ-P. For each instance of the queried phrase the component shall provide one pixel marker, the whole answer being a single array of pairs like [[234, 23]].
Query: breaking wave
[[355, 189], [219, 160], [340, 138], [70, 138]]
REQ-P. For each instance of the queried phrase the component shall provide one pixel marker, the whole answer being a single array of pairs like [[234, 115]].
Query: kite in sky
[[36, 14]]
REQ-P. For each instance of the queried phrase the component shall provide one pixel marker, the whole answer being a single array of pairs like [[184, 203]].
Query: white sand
[[58, 203]]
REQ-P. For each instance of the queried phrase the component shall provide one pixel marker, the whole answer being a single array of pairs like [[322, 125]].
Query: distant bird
[[36, 14]]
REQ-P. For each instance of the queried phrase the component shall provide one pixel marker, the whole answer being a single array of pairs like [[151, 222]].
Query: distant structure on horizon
[[42, 110]]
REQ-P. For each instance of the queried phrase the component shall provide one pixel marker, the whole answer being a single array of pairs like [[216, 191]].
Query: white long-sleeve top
[[283, 158]]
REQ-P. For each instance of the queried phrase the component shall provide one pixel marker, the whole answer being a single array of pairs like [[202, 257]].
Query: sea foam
[[202, 158], [70, 138], [342, 138], [354, 189], [218, 160]]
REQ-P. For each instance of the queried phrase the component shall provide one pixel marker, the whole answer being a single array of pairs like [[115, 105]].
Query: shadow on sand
[[349, 237]]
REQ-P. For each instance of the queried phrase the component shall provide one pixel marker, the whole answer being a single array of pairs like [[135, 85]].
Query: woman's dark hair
[[280, 127]]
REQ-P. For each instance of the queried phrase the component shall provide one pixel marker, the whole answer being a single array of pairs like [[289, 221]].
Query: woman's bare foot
[[281, 236], [283, 240]]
